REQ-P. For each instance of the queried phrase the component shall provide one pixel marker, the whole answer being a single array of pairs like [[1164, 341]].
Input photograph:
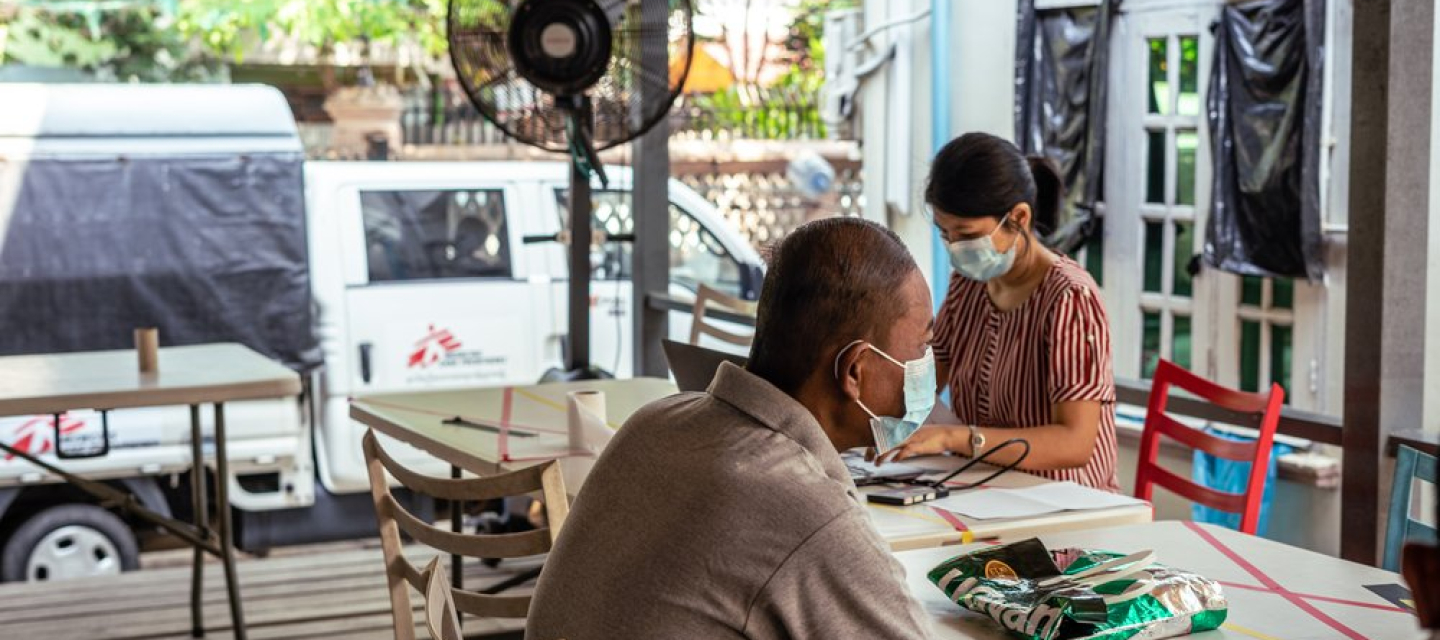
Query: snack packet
[[1075, 594]]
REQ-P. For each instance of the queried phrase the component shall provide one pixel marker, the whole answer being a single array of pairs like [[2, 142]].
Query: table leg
[[222, 505], [457, 521], [197, 495]]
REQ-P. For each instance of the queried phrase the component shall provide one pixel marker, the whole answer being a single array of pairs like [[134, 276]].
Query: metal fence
[[443, 116], [749, 113]]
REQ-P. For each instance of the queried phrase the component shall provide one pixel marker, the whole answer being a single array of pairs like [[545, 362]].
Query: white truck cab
[[423, 280], [193, 205]]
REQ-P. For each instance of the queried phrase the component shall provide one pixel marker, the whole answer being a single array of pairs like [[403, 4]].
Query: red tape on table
[[489, 423], [506, 407], [1271, 584], [1311, 596], [507, 404], [951, 518]]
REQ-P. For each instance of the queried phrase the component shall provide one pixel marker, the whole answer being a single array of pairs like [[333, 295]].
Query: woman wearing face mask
[[1021, 341]]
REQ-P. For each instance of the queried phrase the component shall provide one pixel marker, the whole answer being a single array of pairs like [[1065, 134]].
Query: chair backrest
[[1410, 465], [694, 366], [394, 519], [440, 616], [704, 295], [1157, 423]]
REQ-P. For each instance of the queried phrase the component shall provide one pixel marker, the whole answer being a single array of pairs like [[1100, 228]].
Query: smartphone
[[908, 495]]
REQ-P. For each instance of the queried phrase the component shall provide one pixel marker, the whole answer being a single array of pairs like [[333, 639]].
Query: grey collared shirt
[[725, 514]]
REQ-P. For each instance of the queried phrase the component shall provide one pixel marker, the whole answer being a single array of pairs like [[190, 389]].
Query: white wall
[[982, 97], [981, 58]]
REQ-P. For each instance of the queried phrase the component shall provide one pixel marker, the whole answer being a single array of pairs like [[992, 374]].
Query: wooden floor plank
[[334, 594], [337, 582]]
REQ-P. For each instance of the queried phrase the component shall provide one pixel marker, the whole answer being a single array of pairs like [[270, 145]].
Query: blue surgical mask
[[978, 259], [919, 389]]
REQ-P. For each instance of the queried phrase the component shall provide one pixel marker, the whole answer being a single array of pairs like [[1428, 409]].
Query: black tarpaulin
[[1060, 69], [1264, 114], [209, 248]]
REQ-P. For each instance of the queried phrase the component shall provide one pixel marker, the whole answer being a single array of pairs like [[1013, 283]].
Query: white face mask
[[978, 259], [919, 393]]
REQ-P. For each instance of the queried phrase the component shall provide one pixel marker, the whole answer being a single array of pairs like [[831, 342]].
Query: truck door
[[444, 304]]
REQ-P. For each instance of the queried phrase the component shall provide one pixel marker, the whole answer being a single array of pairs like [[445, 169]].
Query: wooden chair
[[1410, 465], [705, 295], [1157, 423], [440, 616], [393, 519]]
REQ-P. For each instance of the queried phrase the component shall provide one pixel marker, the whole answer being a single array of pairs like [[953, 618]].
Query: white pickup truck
[[191, 208]]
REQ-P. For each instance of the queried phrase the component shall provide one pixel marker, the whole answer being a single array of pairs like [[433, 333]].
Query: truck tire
[[69, 541]]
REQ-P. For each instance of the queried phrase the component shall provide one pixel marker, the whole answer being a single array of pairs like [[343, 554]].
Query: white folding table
[[53, 384], [460, 427]]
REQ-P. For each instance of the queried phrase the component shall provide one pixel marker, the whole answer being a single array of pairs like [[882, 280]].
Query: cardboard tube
[[147, 347], [588, 430]]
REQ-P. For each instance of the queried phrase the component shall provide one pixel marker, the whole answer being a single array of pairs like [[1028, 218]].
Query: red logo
[[433, 348], [35, 436]]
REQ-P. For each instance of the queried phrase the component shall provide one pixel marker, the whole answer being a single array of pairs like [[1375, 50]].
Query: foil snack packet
[[1080, 594]]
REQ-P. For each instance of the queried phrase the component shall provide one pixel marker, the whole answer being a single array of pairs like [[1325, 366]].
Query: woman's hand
[[927, 441]]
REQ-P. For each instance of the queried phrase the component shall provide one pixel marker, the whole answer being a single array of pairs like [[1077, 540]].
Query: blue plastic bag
[[1231, 476]]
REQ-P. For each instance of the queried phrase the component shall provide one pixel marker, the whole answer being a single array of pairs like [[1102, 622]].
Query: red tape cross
[[1296, 599], [1311, 596]]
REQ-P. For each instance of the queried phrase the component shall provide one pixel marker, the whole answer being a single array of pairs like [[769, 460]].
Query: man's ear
[[850, 368]]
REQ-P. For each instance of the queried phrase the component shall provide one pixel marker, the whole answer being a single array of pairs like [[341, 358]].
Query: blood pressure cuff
[[1073, 594]]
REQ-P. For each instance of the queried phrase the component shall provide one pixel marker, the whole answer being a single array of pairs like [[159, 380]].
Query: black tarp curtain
[[208, 248], [1264, 107], [1061, 63]]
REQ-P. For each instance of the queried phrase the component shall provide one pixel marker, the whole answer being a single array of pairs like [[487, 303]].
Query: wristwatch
[[977, 441]]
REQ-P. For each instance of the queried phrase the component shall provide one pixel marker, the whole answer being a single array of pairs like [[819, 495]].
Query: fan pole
[[580, 233]]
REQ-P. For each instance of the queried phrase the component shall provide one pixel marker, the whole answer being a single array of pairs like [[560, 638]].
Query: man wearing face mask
[[729, 513], [1022, 340]]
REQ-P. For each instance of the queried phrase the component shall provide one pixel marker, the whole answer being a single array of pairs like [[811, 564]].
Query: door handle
[[365, 362]]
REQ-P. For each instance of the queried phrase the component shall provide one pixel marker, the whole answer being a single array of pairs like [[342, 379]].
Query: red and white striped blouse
[[1010, 369]]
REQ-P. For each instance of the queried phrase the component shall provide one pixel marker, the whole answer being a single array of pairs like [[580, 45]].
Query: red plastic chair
[[1157, 423]]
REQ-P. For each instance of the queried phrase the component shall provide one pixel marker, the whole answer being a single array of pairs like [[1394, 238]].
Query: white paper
[[1074, 497], [1024, 502], [990, 504], [589, 432]]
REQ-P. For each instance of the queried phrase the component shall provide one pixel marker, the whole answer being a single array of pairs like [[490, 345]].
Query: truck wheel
[[69, 541]]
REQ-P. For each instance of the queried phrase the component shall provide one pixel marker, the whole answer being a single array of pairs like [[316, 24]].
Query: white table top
[[416, 419], [199, 374], [1254, 612], [921, 525]]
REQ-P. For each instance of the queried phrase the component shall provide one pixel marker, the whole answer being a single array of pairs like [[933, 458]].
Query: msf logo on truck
[[36, 435], [434, 347]]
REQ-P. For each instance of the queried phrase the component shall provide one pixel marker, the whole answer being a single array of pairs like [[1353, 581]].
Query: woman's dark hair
[[978, 175]]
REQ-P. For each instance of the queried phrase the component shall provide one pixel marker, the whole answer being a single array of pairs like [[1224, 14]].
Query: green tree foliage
[[230, 27], [125, 43]]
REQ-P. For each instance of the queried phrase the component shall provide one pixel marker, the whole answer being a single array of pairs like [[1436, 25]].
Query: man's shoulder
[[736, 455]]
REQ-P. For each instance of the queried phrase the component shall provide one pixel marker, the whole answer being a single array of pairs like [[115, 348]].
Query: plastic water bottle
[[810, 174]]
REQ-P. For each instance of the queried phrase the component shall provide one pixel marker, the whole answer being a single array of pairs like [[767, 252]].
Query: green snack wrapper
[[1080, 594]]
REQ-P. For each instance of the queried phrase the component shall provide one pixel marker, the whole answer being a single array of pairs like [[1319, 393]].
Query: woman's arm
[[1066, 444]]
